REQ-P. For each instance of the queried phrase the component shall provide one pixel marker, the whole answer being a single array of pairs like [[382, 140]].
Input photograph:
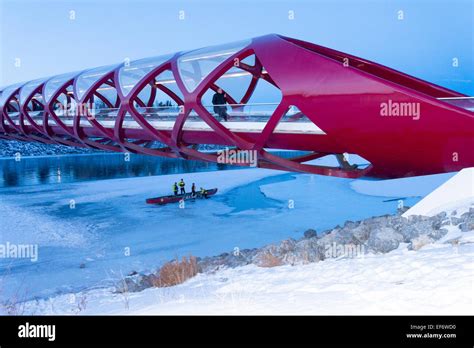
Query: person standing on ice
[[181, 187], [175, 189], [219, 100], [193, 190]]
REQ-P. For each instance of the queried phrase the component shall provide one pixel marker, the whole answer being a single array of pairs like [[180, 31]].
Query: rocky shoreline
[[11, 148], [380, 234]]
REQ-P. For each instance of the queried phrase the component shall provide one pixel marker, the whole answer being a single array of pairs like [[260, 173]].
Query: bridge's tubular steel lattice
[[129, 119]]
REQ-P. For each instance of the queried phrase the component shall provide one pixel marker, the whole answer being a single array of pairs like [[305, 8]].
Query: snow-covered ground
[[454, 193], [436, 279]]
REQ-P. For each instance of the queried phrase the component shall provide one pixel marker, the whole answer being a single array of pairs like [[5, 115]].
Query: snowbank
[[434, 280], [404, 187], [457, 191]]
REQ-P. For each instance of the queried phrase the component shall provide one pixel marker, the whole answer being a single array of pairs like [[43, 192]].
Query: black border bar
[[261, 330]]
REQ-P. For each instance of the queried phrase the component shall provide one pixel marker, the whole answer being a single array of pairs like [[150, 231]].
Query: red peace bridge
[[282, 93]]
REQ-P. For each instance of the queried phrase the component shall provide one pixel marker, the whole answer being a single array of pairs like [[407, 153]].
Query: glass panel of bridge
[[250, 60], [264, 100], [108, 92], [167, 80], [130, 74], [163, 108], [195, 66], [27, 89], [7, 92], [261, 105], [86, 79], [235, 83], [55, 83]]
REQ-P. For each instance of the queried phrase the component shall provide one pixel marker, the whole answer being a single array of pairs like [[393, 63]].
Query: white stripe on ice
[[417, 186]]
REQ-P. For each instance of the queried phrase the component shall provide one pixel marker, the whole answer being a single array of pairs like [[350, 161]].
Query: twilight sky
[[42, 38]]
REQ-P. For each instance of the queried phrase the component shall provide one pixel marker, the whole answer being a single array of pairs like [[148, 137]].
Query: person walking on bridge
[[219, 100], [181, 187]]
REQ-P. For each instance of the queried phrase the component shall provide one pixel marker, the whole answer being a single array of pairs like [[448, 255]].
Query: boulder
[[305, 251], [384, 240], [440, 220], [466, 226], [455, 220], [226, 260], [361, 233], [415, 226], [310, 233], [136, 283]]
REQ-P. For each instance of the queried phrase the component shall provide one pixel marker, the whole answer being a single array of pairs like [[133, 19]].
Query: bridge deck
[[237, 122]]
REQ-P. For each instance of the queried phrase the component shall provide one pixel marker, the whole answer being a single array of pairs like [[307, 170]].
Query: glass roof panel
[[27, 89], [195, 66], [86, 79], [7, 92], [131, 74], [55, 83]]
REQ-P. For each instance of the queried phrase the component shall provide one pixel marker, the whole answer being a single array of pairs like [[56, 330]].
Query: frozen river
[[88, 216]]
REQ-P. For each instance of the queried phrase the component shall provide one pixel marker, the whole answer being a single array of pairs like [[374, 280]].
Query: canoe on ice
[[176, 198]]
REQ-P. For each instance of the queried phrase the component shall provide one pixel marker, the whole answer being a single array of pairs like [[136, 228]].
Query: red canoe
[[176, 198]]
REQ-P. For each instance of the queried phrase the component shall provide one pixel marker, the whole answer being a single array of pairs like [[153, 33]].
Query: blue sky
[[424, 43]]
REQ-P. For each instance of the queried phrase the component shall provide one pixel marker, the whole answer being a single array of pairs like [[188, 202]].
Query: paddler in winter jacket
[[181, 187], [175, 189]]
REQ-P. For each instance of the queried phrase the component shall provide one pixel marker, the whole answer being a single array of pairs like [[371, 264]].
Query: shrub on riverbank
[[176, 272]]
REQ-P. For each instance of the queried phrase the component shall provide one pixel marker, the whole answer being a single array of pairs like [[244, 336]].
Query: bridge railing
[[255, 112], [462, 102]]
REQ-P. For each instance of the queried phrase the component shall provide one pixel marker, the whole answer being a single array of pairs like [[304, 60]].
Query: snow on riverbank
[[457, 191], [434, 280]]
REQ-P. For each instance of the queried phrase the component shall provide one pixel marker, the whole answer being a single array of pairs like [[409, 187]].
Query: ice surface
[[404, 187], [111, 231], [84, 248]]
